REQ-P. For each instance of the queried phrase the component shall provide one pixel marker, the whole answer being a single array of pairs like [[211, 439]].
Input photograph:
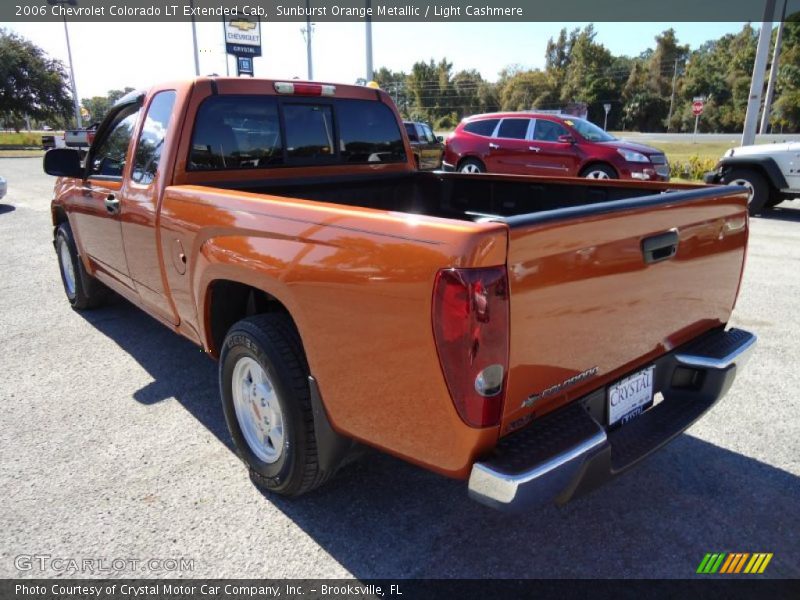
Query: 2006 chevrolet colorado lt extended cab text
[[534, 335]]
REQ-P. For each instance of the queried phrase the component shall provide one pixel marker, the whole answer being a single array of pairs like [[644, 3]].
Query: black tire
[[774, 200], [84, 291], [272, 341], [607, 170], [471, 166], [754, 180]]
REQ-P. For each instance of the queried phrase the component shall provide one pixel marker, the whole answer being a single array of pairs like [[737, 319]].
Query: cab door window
[[428, 134], [548, 131], [108, 157], [151, 140]]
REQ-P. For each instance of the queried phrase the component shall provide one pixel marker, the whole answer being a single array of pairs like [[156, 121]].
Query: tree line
[[650, 92]]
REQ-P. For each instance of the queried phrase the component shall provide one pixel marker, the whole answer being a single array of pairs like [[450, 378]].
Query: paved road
[[113, 445]]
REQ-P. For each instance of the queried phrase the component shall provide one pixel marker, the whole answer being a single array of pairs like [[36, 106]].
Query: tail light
[[471, 330]]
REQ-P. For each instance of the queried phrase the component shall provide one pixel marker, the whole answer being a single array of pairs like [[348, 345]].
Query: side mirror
[[63, 162], [440, 138], [566, 139]]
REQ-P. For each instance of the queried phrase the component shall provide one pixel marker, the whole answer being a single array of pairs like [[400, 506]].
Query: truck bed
[[456, 196]]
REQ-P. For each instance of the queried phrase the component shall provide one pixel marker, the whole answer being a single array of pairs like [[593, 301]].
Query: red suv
[[550, 146]]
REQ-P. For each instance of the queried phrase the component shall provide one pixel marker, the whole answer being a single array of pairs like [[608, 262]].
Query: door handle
[[534, 148], [660, 247], [112, 204], [494, 146]]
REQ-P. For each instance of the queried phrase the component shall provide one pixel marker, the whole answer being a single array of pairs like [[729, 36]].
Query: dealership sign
[[242, 36]]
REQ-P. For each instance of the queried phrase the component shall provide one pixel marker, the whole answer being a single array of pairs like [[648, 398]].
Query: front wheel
[[757, 187], [598, 172], [82, 290], [263, 377]]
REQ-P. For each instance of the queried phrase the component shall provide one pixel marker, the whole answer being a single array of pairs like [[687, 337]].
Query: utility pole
[[194, 42], [75, 100], [78, 120], [370, 73], [307, 32], [773, 73], [759, 68], [672, 97]]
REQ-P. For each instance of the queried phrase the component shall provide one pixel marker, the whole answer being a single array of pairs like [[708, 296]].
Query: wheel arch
[[227, 301], [762, 164]]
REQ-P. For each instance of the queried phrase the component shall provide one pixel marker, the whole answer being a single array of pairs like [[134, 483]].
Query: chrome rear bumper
[[571, 451]]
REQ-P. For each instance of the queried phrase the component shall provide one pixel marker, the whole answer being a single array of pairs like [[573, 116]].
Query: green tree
[[395, 84], [525, 90], [98, 106], [31, 83]]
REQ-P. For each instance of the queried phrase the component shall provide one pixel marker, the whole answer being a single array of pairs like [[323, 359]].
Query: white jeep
[[770, 171]]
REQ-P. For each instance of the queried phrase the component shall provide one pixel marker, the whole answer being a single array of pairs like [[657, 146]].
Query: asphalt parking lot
[[113, 445]]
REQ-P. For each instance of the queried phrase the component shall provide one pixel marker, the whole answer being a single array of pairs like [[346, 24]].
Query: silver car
[[3, 187]]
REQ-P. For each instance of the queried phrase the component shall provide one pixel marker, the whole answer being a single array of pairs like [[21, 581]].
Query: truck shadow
[[179, 369], [783, 212], [383, 518]]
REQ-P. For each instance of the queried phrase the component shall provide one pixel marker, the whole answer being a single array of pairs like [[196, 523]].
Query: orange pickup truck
[[535, 336]]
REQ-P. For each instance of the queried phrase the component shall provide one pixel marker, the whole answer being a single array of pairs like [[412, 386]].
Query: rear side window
[[411, 130], [514, 129], [368, 132], [151, 140], [236, 132], [484, 127]]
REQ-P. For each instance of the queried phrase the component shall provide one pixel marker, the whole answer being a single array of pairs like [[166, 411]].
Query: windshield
[[590, 131]]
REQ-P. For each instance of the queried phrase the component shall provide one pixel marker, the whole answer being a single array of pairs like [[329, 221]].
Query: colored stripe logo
[[729, 563]]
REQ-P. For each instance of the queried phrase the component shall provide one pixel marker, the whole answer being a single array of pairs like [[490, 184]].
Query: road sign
[[607, 108], [243, 36], [697, 108], [244, 65]]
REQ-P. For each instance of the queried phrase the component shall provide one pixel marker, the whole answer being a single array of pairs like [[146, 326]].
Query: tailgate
[[587, 306]]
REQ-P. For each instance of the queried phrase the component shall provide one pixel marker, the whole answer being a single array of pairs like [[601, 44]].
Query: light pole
[[307, 33], [76, 102], [194, 43], [370, 73]]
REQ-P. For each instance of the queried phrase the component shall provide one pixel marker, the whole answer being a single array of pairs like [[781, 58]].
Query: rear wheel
[[471, 165], [756, 184], [266, 399], [599, 172], [82, 290]]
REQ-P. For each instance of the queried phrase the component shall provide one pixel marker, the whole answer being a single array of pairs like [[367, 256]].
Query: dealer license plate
[[630, 397]]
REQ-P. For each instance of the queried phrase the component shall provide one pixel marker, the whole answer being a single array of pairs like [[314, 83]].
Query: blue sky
[[105, 58]]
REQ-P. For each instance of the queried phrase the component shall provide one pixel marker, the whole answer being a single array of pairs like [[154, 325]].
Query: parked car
[[3, 187], [513, 331], [529, 143], [427, 148], [769, 171], [80, 138]]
